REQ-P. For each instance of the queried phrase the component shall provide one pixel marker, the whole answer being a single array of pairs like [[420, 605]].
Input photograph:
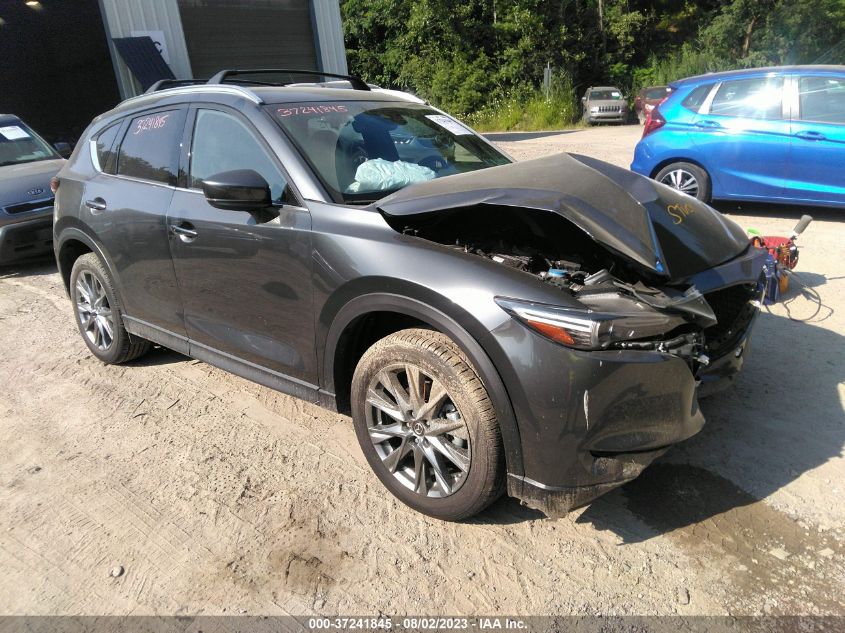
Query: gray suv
[[542, 327], [604, 104], [27, 163]]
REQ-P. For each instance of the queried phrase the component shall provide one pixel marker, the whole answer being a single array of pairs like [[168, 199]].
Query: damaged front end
[[657, 295], [618, 304], [629, 251]]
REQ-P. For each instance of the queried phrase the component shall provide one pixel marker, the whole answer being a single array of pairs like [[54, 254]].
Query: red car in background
[[647, 98]]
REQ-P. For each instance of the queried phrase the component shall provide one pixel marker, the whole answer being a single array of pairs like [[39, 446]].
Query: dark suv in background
[[542, 326]]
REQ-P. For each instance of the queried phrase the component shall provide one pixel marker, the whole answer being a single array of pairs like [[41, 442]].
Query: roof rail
[[163, 84], [193, 89], [356, 82]]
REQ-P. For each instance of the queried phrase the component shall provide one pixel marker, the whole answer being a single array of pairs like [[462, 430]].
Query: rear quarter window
[[106, 154], [696, 98], [149, 147]]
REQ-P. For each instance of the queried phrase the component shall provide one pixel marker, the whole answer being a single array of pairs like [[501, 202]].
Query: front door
[[245, 278], [817, 165]]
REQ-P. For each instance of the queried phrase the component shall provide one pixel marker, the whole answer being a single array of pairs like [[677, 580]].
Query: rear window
[[696, 98], [149, 147], [758, 98], [822, 99]]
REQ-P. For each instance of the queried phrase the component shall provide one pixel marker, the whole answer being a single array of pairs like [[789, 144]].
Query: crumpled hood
[[16, 181], [663, 230]]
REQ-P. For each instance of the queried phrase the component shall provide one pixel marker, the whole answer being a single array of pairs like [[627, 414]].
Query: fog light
[[738, 352]]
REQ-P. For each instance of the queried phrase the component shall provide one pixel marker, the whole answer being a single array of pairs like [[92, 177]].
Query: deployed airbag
[[385, 175]]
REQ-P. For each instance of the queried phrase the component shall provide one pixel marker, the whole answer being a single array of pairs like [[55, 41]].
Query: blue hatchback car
[[767, 134]]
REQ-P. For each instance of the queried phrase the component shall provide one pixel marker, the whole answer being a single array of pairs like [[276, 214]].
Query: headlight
[[587, 329], [594, 109]]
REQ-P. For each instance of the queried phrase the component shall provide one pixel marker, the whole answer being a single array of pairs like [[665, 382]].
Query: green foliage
[[485, 58], [529, 110]]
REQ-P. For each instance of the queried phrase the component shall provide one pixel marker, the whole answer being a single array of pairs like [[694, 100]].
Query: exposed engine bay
[[553, 250]]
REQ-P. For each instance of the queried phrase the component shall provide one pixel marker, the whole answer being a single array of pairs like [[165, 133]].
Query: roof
[[259, 95], [729, 74]]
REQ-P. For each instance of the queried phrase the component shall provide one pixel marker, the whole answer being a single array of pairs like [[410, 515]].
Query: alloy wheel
[[417, 431], [94, 311], [682, 180]]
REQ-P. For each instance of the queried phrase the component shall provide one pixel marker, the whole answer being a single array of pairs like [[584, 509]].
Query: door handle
[[811, 136], [707, 124], [97, 204], [184, 231]]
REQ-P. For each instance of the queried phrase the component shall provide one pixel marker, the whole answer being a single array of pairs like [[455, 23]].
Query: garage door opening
[[57, 73]]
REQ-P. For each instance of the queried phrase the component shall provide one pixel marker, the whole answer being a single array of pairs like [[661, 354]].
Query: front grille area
[[23, 207], [611, 108], [734, 309]]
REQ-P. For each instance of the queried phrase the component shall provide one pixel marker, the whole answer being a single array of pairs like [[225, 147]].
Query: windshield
[[363, 151], [605, 95], [19, 144]]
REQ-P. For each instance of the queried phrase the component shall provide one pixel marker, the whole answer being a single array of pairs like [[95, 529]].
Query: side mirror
[[64, 149], [583, 99], [239, 190]]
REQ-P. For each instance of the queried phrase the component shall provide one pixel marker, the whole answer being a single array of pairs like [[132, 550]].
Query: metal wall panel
[[248, 34], [329, 35], [122, 17]]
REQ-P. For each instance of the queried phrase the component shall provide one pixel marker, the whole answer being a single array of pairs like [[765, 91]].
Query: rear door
[[817, 165], [245, 278], [126, 205], [744, 136]]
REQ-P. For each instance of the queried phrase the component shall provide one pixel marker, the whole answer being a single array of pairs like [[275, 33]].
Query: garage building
[[65, 62]]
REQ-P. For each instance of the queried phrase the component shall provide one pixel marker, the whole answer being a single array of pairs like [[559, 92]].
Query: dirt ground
[[170, 487]]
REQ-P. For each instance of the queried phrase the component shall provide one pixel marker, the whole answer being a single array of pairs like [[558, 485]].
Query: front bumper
[[32, 237], [605, 417], [607, 117]]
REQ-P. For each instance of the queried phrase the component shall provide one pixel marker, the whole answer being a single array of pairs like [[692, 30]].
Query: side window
[[822, 99], [696, 98], [221, 142], [106, 151], [148, 150], [758, 98]]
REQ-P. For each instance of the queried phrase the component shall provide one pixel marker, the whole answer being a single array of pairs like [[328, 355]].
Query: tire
[[453, 417], [675, 173], [98, 314]]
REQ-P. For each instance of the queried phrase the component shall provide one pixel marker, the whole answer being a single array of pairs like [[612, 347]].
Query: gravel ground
[[167, 486]]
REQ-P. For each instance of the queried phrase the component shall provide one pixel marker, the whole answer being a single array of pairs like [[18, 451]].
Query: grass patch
[[529, 110]]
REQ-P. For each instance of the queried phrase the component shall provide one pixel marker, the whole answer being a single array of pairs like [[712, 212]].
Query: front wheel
[[426, 425], [686, 178]]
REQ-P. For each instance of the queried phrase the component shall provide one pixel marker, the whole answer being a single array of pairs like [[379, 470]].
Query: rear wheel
[[98, 314], [426, 425], [687, 178]]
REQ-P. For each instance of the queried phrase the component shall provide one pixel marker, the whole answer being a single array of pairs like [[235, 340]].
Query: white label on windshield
[[13, 132], [449, 124], [616, 94]]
